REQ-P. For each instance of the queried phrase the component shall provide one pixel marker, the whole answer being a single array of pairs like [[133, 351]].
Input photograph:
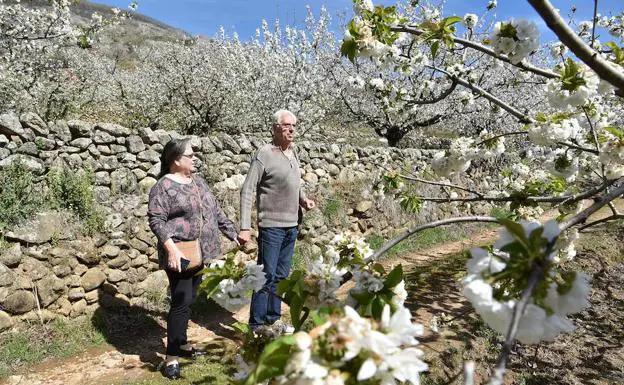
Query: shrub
[[19, 197], [331, 207], [74, 191]]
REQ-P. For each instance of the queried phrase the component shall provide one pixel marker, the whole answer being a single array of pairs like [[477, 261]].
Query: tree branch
[[500, 136], [443, 95], [415, 179], [534, 199], [484, 49], [598, 204], [575, 147], [593, 36], [603, 220], [407, 233], [578, 46], [519, 115], [535, 277]]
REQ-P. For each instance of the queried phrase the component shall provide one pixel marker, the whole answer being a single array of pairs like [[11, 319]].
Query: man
[[275, 176]]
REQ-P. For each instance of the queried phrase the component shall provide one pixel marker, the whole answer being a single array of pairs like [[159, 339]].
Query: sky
[[204, 17]]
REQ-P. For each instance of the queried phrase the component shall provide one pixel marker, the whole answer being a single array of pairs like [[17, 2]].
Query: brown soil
[[591, 355]]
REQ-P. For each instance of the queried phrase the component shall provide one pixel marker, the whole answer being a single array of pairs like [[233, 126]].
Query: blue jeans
[[275, 250]]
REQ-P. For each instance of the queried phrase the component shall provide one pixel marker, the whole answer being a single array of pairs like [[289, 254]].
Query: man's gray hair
[[277, 117]]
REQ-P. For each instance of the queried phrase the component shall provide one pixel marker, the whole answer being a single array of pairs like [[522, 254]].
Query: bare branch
[[598, 204], [603, 220], [443, 95], [614, 210], [407, 233], [500, 136], [428, 122], [584, 52], [442, 184], [593, 37], [533, 199], [536, 276], [575, 147]]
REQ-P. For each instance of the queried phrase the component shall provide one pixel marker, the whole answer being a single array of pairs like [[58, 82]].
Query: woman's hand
[[174, 255], [243, 237]]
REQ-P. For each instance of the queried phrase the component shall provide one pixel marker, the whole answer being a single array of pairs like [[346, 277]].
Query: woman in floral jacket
[[179, 204]]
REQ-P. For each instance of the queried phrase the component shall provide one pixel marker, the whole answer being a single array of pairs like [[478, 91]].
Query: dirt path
[[130, 359]]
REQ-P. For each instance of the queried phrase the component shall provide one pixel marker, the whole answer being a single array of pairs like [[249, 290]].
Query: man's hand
[[243, 236], [308, 204]]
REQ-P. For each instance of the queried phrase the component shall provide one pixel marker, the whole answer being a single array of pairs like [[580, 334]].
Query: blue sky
[[203, 17]]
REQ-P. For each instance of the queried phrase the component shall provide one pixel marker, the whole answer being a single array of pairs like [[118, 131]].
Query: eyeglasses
[[286, 127], [190, 156]]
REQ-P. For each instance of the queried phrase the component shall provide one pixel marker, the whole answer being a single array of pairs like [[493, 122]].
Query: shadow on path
[[134, 330]]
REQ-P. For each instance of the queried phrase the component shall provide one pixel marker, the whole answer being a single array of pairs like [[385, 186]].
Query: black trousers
[[183, 291]]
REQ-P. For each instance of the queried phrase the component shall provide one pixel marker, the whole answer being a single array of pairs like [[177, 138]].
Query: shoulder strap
[[201, 208]]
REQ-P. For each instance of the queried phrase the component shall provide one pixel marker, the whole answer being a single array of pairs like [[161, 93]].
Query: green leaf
[[394, 278], [296, 306], [535, 239], [241, 327], [378, 267], [617, 51], [274, 358], [434, 48], [284, 286], [618, 133], [516, 230], [377, 307], [318, 317], [349, 49], [209, 285], [363, 298], [451, 20]]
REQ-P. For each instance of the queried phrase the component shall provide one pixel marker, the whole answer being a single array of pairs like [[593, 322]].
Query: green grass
[[501, 213], [57, 339], [331, 207], [420, 240], [204, 371]]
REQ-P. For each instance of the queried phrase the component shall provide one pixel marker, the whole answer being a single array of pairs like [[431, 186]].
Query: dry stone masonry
[[48, 270]]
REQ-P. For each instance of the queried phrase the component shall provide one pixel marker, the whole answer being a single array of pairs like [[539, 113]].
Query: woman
[[179, 204]]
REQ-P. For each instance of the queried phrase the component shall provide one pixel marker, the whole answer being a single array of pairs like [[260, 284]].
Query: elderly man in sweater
[[275, 177]]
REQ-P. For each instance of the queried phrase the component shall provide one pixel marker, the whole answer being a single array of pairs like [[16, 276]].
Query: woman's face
[[186, 162]]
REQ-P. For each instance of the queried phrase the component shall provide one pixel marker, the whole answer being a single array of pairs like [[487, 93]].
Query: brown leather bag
[[192, 249], [192, 253]]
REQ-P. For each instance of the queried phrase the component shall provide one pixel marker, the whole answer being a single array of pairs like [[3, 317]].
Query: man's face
[[285, 131]]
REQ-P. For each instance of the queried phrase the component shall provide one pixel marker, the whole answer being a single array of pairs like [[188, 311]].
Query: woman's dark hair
[[173, 150]]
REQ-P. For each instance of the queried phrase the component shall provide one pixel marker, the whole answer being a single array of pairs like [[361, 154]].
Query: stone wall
[[49, 271]]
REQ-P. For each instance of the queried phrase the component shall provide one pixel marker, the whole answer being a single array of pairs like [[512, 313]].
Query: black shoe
[[172, 371], [193, 353]]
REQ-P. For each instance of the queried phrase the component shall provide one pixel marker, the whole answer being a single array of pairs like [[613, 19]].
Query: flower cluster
[[497, 279], [577, 86], [344, 347], [317, 285], [560, 163], [323, 281], [471, 20], [612, 155], [346, 250], [362, 5], [231, 282], [549, 132], [492, 146], [517, 39], [456, 159]]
